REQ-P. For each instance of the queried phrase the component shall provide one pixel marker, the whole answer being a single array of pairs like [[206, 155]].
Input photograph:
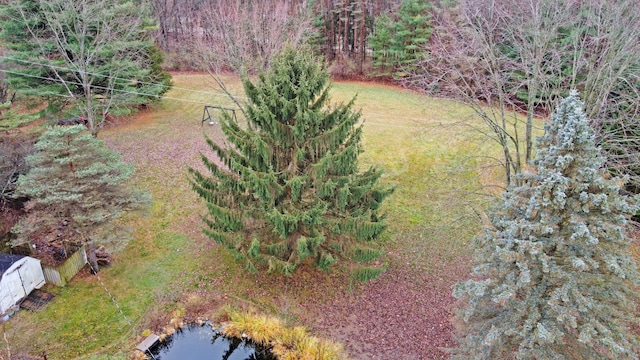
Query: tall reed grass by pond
[[203, 342], [170, 266]]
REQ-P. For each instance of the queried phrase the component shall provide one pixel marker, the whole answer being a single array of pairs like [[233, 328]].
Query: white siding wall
[[19, 280]]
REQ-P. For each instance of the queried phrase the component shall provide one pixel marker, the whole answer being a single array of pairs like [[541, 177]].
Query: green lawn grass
[[419, 142]]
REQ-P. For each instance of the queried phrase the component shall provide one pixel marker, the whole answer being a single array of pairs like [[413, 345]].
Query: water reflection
[[194, 342]]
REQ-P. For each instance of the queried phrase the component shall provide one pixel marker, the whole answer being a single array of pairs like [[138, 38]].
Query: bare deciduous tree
[[244, 36], [469, 61], [605, 60], [94, 54], [230, 35], [524, 56], [339, 28]]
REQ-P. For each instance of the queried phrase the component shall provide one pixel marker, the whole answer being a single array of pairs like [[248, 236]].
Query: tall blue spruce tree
[[289, 191], [553, 276]]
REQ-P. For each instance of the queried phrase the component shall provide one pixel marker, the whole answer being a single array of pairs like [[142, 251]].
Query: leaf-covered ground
[[170, 269], [406, 313]]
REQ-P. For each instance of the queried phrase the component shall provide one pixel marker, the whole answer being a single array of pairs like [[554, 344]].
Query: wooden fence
[[59, 275]]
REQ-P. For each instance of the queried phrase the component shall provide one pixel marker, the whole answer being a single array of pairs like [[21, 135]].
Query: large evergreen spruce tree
[[289, 190], [554, 272]]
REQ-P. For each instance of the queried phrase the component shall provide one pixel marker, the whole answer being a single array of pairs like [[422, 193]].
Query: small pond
[[194, 342]]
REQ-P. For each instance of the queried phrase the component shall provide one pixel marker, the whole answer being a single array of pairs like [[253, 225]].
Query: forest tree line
[[514, 55], [248, 33]]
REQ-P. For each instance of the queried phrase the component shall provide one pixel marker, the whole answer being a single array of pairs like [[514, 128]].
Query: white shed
[[19, 275]]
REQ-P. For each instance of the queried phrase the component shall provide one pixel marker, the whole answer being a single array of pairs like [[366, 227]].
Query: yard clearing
[[171, 269]]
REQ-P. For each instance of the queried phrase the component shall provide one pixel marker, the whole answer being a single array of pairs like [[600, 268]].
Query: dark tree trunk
[[91, 257], [363, 37]]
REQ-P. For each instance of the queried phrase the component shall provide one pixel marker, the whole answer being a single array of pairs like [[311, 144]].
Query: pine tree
[[412, 32], [380, 43], [74, 178], [399, 41], [89, 58], [289, 191], [553, 274]]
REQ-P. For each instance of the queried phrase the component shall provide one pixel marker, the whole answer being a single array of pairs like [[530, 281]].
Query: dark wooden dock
[[148, 343]]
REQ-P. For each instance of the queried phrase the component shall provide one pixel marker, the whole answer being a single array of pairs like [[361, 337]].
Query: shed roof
[[6, 260]]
